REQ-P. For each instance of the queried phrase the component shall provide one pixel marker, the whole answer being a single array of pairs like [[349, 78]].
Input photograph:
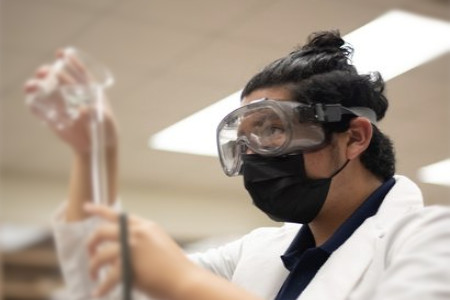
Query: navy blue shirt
[[303, 259]]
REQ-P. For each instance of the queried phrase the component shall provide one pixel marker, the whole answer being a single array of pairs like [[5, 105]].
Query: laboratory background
[[172, 61]]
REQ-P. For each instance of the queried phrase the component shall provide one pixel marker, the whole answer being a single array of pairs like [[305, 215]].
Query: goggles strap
[[333, 112], [365, 112]]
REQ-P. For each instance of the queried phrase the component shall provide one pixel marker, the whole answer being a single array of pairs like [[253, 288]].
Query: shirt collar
[[303, 240]]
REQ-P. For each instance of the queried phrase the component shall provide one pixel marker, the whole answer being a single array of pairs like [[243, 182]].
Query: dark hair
[[321, 72]]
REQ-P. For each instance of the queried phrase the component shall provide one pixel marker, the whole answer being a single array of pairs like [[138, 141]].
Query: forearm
[[203, 285], [80, 185]]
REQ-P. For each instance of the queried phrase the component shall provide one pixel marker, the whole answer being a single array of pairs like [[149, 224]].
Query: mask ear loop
[[340, 169]]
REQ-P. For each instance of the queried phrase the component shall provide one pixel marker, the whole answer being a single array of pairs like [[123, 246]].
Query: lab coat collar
[[338, 276]]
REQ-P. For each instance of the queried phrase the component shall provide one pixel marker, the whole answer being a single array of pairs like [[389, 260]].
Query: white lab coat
[[403, 252]]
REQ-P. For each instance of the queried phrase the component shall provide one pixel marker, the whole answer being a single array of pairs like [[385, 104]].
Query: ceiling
[[174, 57]]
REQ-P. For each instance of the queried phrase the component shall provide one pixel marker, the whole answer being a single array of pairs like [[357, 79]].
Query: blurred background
[[170, 59]]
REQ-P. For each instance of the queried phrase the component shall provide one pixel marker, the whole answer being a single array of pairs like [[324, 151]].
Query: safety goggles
[[273, 128]]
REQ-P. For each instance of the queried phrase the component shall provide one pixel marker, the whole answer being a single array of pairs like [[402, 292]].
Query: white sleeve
[[222, 260], [244, 252], [418, 263], [70, 239]]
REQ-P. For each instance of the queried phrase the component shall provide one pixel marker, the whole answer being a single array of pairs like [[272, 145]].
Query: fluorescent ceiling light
[[397, 42], [196, 134], [391, 44], [438, 173]]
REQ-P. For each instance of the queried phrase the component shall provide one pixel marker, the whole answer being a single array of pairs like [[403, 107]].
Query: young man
[[311, 155]]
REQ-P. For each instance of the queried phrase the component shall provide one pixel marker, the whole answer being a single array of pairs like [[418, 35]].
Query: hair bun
[[327, 41]]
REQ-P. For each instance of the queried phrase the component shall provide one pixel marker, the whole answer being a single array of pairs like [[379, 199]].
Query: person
[[307, 143]]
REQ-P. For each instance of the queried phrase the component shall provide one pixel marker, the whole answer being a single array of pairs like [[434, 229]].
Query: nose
[[249, 151], [242, 143], [244, 149]]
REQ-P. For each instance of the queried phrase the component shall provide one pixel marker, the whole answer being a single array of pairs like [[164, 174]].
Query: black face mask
[[280, 188]]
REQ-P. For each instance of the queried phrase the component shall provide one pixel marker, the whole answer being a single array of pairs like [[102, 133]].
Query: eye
[[272, 137], [273, 131]]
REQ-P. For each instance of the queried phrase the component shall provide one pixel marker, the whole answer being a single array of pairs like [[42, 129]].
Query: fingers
[[101, 211], [43, 79], [42, 71], [107, 232], [106, 255], [59, 53], [110, 279], [104, 258], [67, 69], [75, 62], [30, 86], [73, 66], [65, 77]]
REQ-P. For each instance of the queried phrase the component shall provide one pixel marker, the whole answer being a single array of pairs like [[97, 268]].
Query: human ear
[[359, 137]]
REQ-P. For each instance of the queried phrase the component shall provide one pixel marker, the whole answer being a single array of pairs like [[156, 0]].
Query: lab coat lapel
[[345, 266]]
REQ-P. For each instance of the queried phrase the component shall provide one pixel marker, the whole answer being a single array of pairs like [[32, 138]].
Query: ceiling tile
[[39, 25], [93, 6], [200, 15], [17, 66], [132, 46], [228, 61], [289, 22]]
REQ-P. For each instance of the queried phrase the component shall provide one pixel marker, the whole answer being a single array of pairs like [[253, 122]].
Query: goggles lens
[[266, 127]]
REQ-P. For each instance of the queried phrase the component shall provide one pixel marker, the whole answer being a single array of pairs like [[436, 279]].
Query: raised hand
[[66, 96]]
